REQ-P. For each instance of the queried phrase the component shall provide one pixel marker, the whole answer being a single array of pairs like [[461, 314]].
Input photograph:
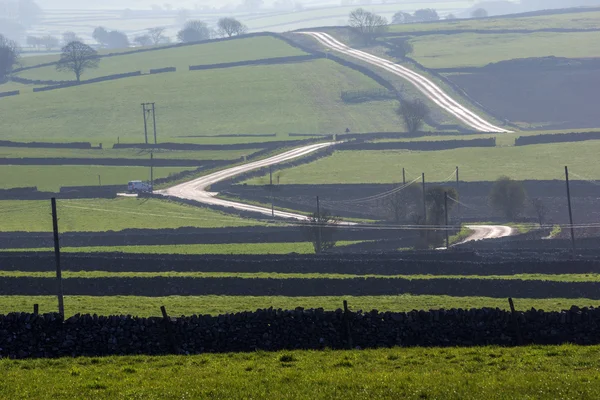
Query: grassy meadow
[[541, 372], [99, 215], [277, 99], [52, 177], [477, 50], [180, 57], [542, 162], [216, 305]]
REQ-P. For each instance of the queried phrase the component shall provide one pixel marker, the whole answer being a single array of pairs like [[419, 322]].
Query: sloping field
[[100, 215], [545, 161], [477, 50], [180, 57], [278, 99], [573, 20]]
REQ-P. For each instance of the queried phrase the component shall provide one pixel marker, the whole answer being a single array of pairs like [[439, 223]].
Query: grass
[[542, 162], [259, 99], [179, 57], [274, 275], [215, 305], [476, 50], [226, 248], [541, 372], [52, 177], [23, 152], [99, 215], [576, 20]]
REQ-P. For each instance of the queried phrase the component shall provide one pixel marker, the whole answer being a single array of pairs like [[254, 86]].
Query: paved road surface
[[196, 189], [481, 232], [426, 86]]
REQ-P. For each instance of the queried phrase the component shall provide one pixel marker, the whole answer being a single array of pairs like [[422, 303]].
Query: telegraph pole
[[270, 175], [570, 210], [319, 225], [457, 203], [99, 181], [154, 123], [424, 202], [145, 123], [446, 215], [403, 176], [61, 304], [152, 171]]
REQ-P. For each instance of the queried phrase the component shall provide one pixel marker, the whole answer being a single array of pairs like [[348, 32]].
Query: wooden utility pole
[[61, 305], [424, 202], [154, 122], [458, 194], [446, 216], [151, 170], [319, 225], [270, 175], [403, 176], [99, 181], [570, 210], [145, 124]]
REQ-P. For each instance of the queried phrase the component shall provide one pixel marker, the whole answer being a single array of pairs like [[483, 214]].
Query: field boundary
[[433, 145]]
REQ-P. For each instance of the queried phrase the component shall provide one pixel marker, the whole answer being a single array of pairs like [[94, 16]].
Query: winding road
[[481, 232], [196, 189], [426, 86]]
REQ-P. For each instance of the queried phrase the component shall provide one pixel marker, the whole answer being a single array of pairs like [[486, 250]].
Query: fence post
[[36, 309], [168, 328], [347, 325], [515, 322]]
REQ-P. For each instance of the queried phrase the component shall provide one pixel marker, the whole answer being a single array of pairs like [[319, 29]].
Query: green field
[[98, 215], [541, 162], [179, 57], [277, 99], [540, 372], [52, 177], [577, 20], [477, 50], [24, 152], [276, 275], [216, 305]]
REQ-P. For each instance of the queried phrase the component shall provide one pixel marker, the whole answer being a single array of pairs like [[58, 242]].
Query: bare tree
[[143, 40], [320, 230], [540, 210], [77, 57], [9, 56], [69, 37], [367, 24], [413, 113], [400, 205], [157, 35], [231, 27]]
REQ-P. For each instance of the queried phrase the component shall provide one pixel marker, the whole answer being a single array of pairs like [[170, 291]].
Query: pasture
[[242, 49], [100, 215], [478, 50], [278, 99], [417, 373], [51, 177], [536, 162]]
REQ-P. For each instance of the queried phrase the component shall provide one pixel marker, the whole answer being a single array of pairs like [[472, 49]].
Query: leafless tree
[[540, 210], [143, 40], [413, 113], [367, 24], [320, 231], [231, 27], [77, 57], [401, 204], [9, 56], [157, 34]]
